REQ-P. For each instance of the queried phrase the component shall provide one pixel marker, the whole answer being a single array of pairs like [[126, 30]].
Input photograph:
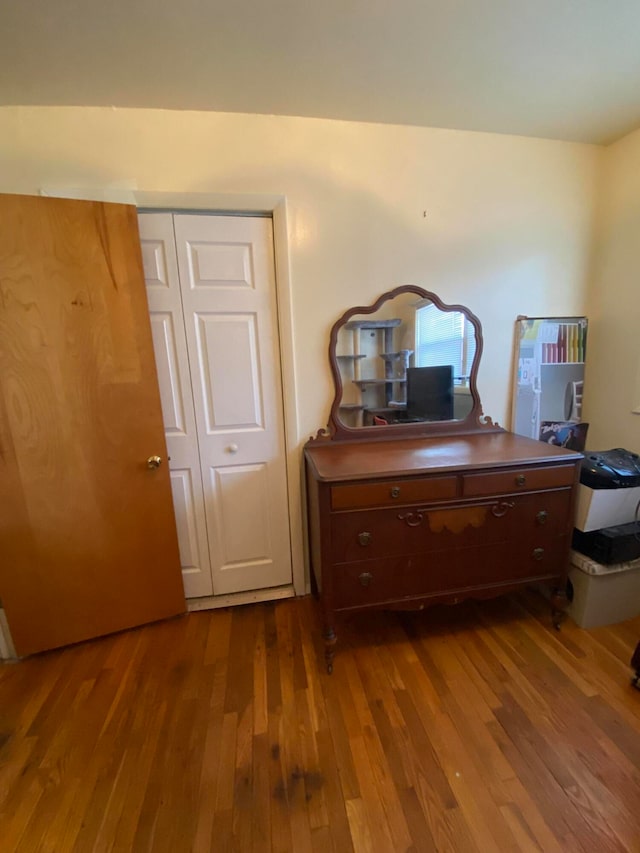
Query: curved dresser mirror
[[407, 363]]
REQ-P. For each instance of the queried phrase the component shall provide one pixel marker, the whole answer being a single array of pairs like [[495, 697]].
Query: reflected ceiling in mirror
[[408, 361]]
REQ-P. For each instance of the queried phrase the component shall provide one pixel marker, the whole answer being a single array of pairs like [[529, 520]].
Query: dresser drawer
[[393, 492], [518, 480], [369, 534], [397, 579], [375, 582]]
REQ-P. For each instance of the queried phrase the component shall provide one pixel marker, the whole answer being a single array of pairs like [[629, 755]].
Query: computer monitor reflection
[[430, 393]]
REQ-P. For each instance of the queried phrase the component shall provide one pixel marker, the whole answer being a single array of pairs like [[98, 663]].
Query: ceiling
[[561, 69]]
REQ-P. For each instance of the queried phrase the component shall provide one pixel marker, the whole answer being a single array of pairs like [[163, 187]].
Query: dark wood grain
[[411, 457], [388, 527]]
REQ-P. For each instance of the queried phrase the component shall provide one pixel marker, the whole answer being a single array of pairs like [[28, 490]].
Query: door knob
[[233, 448], [154, 462]]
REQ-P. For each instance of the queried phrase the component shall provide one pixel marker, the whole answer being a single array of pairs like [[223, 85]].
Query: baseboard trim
[[213, 602]]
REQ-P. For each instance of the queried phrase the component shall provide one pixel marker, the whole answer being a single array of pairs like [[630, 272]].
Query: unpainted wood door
[[223, 349], [88, 541]]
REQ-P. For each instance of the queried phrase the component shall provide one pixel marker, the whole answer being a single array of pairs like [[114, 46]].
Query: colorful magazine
[[567, 434]]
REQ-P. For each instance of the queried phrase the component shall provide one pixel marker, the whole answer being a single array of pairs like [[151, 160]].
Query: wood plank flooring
[[474, 728]]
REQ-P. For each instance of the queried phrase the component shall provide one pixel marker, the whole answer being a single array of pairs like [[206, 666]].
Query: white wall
[[507, 231], [612, 387]]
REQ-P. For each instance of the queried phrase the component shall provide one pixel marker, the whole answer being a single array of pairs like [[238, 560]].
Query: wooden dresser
[[424, 500], [410, 522]]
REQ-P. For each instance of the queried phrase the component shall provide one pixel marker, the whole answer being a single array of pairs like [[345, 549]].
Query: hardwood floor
[[475, 728]]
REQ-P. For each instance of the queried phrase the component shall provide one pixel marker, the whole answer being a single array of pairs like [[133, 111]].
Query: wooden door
[[227, 274], [169, 341], [87, 535]]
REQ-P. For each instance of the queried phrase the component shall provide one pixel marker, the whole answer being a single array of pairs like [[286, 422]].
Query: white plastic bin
[[603, 595]]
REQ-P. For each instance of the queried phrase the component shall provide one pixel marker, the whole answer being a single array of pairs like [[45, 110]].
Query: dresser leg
[[559, 602], [329, 636]]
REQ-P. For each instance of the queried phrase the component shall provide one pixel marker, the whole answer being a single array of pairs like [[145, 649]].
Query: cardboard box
[[599, 508]]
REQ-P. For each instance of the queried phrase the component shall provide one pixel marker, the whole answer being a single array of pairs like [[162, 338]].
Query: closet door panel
[[182, 489], [165, 348], [174, 378], [228, 290], [231, 390], [242, 492]]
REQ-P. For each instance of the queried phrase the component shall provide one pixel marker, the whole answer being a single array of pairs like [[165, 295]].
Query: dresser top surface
[[338, 461]]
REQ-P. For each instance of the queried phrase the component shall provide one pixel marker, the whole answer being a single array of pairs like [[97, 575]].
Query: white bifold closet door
[[212, 300]]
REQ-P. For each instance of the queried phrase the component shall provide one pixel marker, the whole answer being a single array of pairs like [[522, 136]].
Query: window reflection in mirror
[[409, 362]]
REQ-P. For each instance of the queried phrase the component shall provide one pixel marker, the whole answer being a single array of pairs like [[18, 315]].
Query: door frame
[[274, 206]]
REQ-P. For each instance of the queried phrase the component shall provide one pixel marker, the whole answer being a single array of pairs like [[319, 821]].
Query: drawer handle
[[365, 578], [521, 480], [412, 519], [501, 508], [364, 538], [542, 516], [538, 553], [395, 492]]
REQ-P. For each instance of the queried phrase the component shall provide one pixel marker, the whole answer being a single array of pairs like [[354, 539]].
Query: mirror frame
[[475, 421]]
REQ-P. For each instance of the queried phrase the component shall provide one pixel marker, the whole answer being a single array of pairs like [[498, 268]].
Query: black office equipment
[[617, 544], [430, 393], [610, 469]]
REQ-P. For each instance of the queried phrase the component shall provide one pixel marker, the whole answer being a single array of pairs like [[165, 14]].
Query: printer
[[607, 527]]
